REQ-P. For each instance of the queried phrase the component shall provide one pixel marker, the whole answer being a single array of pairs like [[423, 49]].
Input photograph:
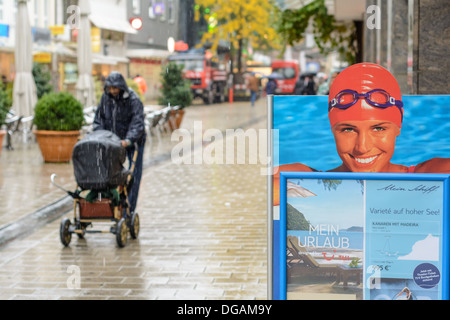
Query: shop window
[[170, 11], [151, 9], [70, 73], [36, 13], [46, 14], [162, 9], [2, 5], [136, 7]]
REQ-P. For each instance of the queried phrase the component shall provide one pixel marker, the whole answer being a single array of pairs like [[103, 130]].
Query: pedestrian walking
[[271, 86], [253, 85], [122, 112]]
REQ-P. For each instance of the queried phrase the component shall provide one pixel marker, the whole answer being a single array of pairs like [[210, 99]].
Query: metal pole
[[270, 198]]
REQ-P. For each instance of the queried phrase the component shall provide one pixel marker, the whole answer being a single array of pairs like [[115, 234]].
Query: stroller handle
[[52, 179], [70, 193]]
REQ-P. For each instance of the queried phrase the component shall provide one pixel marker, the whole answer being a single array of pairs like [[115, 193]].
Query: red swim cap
[[364, 77]]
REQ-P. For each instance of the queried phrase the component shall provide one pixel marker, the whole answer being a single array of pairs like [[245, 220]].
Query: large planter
[[2, 135], [56, 146], [176, 117]]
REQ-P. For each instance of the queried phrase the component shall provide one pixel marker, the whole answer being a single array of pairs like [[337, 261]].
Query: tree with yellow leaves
[[241, 23]]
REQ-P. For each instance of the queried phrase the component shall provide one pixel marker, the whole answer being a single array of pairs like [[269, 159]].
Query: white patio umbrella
[[24, 91], [85, 83]]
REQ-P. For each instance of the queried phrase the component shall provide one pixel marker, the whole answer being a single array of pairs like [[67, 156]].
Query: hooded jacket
[[123, 114]]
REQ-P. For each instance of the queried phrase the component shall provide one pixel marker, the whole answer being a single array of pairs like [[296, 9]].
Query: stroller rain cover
[[98, 161]]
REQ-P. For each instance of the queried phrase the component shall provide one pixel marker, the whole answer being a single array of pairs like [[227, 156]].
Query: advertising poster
[[303, 136], [350, 236]]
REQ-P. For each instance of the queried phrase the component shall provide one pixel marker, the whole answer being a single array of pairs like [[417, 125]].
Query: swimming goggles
[[378, 98]]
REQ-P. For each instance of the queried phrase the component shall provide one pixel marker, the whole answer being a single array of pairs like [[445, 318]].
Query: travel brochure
[[325, 239], [404, 239]]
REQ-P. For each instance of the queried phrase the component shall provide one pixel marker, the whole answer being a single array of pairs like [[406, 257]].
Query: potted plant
[[58, 118], [175, 91], [5, 105]]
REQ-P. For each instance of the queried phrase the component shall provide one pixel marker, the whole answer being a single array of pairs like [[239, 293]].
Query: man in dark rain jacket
[[121, 112]]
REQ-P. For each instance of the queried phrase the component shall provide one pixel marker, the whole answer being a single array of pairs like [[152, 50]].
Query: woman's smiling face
[[366, 146]]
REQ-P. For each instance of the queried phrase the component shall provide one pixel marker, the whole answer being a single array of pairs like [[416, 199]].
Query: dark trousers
[[137, 175]]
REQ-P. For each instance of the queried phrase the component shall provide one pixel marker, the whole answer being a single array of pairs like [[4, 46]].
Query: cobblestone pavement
[[203, 230]]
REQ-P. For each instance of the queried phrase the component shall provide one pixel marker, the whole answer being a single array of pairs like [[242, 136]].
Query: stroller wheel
[[134, 225], [122, 233], [64, 232]]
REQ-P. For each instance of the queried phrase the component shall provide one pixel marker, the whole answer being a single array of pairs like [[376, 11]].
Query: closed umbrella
[[85, 83], [24, 91]]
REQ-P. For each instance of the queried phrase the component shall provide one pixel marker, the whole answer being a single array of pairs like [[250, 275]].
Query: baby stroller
[[102, 191]]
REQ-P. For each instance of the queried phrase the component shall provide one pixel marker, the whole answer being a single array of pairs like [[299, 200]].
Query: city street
[[203, 232]]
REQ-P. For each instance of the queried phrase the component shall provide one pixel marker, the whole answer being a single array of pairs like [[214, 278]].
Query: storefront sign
[[363, 236], [96, 39], [57, 30]]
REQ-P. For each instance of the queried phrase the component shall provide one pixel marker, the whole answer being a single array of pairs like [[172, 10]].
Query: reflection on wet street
[[203, 229]]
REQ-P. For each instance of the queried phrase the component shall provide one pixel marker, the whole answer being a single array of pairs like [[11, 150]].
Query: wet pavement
[[203, 226]]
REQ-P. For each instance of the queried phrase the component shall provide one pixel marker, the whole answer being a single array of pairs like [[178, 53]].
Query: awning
[[147, 53], [57, 48], [103, 22]]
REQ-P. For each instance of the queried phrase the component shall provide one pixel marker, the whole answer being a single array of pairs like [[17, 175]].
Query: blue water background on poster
[[305, 135]]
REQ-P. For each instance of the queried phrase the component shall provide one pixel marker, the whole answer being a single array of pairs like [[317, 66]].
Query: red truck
[[208, 78], [289, 72]]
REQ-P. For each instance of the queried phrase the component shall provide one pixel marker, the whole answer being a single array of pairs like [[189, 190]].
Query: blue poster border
[[284, 176]]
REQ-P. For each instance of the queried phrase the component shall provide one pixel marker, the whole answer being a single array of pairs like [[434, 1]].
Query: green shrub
[[134, 86], [175, 89], [58, 112], [99, 90], [5, 104]]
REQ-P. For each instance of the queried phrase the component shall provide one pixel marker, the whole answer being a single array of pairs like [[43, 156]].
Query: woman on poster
[[366, 114]]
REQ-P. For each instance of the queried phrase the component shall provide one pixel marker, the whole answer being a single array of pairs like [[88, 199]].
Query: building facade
[[412, 41], [160, 20], [55, 30]]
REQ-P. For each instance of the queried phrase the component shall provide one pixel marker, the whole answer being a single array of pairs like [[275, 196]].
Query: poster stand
[[409, 210]]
